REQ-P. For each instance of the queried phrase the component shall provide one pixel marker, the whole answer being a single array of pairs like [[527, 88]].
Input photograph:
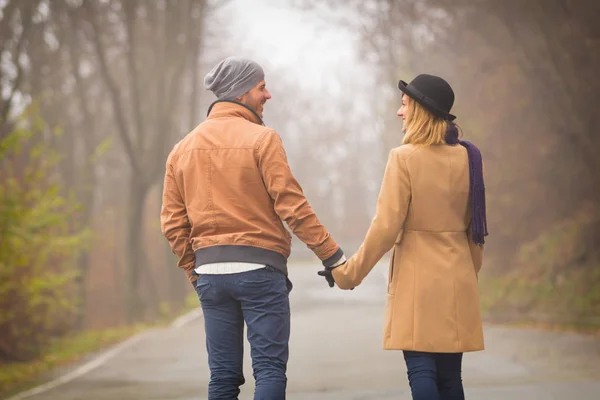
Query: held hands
[[326, 273]]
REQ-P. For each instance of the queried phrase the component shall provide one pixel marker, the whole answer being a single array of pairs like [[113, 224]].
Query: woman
[[431, 211]]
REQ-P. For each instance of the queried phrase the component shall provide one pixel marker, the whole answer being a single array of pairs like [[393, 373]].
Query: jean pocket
[[288, 284], [273, 269], [202, 288]]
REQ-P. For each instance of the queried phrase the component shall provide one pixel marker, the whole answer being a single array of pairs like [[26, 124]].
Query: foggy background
[[95, 93]]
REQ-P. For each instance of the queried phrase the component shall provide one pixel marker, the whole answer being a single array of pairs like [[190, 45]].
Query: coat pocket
[[390, 285], [388, 322]]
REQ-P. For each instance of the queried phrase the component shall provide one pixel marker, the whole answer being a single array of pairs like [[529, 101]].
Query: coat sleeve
[[289, 201], [386, 226], [175, 224]]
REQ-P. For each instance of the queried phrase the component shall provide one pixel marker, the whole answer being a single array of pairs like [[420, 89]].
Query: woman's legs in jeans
[[422, 375], [449, 377], [434, 376]]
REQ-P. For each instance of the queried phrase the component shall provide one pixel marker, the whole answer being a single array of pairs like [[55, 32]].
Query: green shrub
[[557, 275], [38, 248]]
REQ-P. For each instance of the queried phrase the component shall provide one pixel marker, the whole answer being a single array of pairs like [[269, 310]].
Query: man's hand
[[326, 272]]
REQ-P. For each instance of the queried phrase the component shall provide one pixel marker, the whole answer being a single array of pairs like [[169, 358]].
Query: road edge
[[104, 357]]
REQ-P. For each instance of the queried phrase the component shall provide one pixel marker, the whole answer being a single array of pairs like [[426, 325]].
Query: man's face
[[256, 97]]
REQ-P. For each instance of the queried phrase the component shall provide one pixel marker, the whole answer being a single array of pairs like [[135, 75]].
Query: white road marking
[[186, 318], [103, 358]]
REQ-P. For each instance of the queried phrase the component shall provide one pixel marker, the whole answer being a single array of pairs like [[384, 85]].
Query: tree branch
[[161, 84], [73, 48], [197, 6], [130, 7], [26, 22], [112, 89], [548, 51], [177, 74], [7, 15]]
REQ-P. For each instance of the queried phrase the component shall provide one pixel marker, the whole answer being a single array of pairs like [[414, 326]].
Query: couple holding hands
[[228, 188]]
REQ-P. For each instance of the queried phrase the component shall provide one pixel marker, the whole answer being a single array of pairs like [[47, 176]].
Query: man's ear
[[241, 98]]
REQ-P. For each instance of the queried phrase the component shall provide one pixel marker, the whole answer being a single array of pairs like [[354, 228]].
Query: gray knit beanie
[[233, 77]]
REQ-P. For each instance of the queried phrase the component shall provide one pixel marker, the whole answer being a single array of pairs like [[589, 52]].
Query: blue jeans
[[434, 376], [260, 298]]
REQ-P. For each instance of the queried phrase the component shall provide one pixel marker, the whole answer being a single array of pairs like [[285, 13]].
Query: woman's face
[[403, 111]]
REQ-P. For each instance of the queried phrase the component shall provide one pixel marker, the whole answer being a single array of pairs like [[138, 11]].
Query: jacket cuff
[[334, 258]]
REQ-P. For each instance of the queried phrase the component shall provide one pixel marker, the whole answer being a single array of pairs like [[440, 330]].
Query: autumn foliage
[[38, 247]]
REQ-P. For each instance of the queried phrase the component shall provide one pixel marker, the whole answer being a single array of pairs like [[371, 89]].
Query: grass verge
[[19, 376], [570, 302]]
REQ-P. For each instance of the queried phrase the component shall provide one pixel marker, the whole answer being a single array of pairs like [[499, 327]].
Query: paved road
[[336, 354]]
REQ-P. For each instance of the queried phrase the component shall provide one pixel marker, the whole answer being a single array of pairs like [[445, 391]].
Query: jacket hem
[[239, 253]]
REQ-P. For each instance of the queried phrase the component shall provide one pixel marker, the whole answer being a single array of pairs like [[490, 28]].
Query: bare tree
[[146, 105], [15, 29], [519, 70]]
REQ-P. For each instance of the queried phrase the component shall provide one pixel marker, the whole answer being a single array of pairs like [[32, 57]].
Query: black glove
[[328, 275]]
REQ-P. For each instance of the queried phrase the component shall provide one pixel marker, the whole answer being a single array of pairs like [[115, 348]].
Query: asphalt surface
[[336, 353]]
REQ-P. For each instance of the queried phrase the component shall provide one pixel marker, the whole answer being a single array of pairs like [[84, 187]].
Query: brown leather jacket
[[228, 186]]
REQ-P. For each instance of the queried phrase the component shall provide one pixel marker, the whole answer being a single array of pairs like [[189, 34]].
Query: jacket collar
[[232, 108]]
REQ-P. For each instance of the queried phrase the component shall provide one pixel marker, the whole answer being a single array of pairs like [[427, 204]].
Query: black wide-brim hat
[[432, 92]]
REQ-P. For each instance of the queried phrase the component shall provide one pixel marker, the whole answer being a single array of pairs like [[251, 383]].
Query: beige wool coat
[[423, 215]]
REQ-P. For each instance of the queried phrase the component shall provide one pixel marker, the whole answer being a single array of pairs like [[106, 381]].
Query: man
[[227, 189]]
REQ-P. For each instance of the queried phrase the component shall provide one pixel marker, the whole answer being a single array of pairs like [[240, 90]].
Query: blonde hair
[[422, 127]]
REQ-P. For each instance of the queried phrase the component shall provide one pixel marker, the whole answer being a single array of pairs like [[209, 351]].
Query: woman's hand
[[328, 275]]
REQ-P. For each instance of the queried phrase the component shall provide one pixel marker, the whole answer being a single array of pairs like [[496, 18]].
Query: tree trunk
[[83, 266], [135, 255], [87, 182]]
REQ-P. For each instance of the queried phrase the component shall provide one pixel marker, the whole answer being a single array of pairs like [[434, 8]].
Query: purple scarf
[[476, 188]]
